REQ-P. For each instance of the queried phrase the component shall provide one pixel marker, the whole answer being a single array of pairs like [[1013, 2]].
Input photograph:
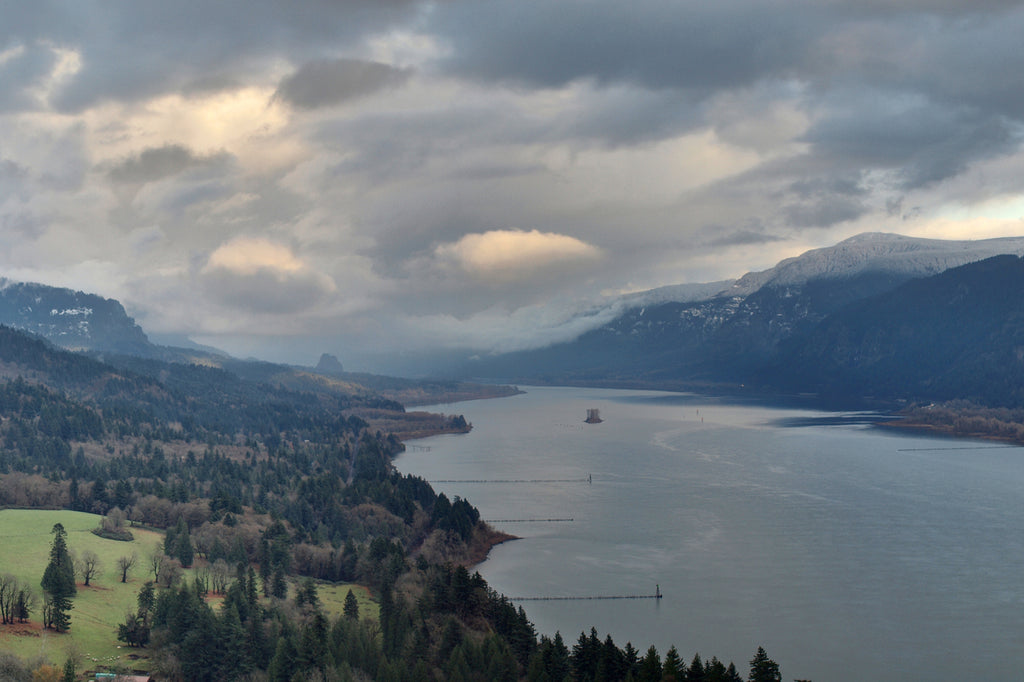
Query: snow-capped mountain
[[729, 331], [909, 257]]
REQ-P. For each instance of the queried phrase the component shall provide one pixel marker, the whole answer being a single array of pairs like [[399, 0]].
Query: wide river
[[849, 551]]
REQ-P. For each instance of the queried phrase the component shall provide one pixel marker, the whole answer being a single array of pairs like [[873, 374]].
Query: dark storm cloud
[[158, 163], [824, 212], [323, 83], [816, 186], [134, 50], [661, 132], [924, 140], [824, 201], [657, 44], [929, 87], [20, 70], [264, 291], [743, 238], [971, 60]]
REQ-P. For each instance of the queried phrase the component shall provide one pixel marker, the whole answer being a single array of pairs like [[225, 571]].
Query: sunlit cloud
[[247, 256], [358, 171], [509, 254]]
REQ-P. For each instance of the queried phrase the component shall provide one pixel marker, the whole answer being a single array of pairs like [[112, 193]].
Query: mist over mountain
[[765, 330], [72, 319], [880, 315]]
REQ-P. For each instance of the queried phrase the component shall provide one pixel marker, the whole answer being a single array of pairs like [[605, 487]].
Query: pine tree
[[763, 669], [715, 671], [351, 606], [673, 668], [183, 549], [650, 667], [146, 601], [696, 671], [58, 583]]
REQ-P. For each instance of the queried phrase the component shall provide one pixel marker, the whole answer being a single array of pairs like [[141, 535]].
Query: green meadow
[[25, 538]]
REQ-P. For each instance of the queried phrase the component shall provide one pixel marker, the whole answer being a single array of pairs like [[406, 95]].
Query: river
[[849, 551]]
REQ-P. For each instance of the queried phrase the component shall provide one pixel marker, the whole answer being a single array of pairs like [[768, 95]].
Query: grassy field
[[25, 538]]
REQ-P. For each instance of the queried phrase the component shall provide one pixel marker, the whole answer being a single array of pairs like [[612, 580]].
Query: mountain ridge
[[741, 335]]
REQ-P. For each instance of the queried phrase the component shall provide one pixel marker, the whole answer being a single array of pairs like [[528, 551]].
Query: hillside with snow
[[732, 332], [908, 257]]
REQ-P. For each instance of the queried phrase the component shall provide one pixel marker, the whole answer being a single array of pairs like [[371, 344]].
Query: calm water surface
[[849, 552]]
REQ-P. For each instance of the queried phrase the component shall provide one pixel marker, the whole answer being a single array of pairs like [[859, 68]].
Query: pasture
[[25, 539]]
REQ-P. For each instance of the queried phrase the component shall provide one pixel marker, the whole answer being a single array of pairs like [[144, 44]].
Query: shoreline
[[950, 431], [479, 551]]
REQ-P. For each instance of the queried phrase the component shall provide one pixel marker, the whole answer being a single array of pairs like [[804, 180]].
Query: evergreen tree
[[351, 606], [763, 669], [183, 549], [58, 583], [279, 587], [673, 667], [305, 593], [631, 657], [696, 672], [146, 600], [282, 666], [715, 671], [232, 636], [134, 631], [585, 655], [650, 667]]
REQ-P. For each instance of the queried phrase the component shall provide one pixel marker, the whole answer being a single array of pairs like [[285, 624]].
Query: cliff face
[[72, 319]]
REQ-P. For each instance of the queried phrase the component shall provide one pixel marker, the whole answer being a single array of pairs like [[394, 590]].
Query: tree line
[[261, 491]]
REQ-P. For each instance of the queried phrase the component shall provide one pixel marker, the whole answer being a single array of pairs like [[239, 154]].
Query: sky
[[380, 178]]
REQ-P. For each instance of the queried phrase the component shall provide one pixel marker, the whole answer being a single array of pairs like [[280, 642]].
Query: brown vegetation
[[411, 425], [961, 418]]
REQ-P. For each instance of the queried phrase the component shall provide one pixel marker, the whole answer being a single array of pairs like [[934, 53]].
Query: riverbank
[[481, 546], [960, 419]]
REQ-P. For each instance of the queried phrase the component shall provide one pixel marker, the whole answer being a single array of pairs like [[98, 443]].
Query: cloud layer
[[373, 178]]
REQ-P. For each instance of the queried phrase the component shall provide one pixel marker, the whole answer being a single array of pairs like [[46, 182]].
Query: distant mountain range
[[101, 328], [877, 315]]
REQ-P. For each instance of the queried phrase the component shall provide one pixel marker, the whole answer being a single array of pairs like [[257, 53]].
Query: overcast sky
[[352, 176]]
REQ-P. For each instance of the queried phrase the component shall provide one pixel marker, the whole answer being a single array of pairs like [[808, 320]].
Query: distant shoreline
[[954, 419]]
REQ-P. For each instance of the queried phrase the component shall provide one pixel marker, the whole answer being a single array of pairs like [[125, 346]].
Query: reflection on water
[[829, 542]]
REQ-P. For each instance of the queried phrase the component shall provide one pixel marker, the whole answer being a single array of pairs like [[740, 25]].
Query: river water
[[849, 551]]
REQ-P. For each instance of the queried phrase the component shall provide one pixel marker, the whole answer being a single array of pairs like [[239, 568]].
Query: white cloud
[[143, 154], [515, 254], [258, 275], [248, 255]]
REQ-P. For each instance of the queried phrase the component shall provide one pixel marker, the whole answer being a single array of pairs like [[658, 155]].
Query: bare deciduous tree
[[114, 520], [125, 564], [8, 587], [17, 600], [156, 562], [220, 576], [88, 565], [170, 571]]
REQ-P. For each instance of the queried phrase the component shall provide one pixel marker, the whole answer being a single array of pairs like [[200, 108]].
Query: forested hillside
[[957, 335], [272, 492]]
